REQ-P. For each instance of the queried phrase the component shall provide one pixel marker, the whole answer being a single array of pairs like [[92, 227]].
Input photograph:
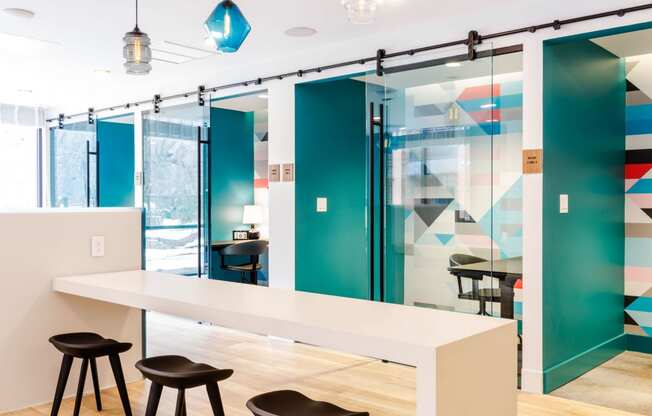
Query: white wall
[[35, 247]]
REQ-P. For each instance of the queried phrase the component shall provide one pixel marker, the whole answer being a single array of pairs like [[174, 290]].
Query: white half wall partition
[[36, 247]]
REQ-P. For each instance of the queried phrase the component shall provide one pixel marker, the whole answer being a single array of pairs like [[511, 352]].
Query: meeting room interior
[[326, 208]]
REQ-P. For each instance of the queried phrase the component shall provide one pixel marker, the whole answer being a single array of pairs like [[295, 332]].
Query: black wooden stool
[[293, 403], [88, 347], [180, 373]]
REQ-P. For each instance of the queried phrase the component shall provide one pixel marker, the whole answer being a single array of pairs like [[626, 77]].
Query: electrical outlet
[[97, 246]]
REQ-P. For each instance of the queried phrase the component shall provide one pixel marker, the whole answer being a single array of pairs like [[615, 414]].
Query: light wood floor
[[262, 364], [624, 382]]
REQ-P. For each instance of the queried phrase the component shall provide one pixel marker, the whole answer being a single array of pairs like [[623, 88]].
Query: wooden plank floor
[[262, 364]]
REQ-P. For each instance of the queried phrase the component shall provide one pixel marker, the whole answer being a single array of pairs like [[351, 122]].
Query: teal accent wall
[[330, 161], [116, 164], [232, 177], [639, 343], [583, 251]]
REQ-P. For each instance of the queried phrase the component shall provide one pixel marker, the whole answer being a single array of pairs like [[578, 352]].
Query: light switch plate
[[274, 174], [322, 204], [288, 172], [97, 246], [563, 204]]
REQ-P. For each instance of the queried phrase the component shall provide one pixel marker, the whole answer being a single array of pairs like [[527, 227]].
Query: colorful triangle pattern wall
[[638, 210]]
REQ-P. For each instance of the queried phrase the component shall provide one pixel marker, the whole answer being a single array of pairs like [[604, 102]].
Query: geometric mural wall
[[638, 206], [459, 184]]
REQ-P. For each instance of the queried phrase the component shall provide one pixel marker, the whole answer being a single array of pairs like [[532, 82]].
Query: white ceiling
[[81, 36]]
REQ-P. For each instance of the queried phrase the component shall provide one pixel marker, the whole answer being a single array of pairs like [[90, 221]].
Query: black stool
[[88, 347], [180, 373], [293, 403]]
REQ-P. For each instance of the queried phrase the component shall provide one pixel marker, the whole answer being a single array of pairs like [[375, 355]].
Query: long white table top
[[381, 330], [449, 350]]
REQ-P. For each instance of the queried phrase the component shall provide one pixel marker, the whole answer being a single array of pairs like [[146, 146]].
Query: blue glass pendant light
[[227, 27]]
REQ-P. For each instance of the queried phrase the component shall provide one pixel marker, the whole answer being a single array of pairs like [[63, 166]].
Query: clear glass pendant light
[[361, 12], [137, 51]]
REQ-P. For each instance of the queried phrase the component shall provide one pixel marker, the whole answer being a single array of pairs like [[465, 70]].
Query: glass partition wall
[[446, 160], [175, 163], [73, 166]]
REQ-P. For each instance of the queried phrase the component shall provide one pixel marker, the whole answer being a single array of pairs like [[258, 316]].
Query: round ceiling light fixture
[[17, 12], [300, 32], [361, 12], [136, 51]]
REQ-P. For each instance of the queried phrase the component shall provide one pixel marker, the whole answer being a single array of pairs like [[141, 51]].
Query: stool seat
[[88, 345], [293, 403], [179, 372]]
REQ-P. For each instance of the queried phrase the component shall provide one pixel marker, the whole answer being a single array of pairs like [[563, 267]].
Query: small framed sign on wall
[[532, 161]]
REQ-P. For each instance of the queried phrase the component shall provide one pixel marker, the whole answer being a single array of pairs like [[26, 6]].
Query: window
[[18, 167]]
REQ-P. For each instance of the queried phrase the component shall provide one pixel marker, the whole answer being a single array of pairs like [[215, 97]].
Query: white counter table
[[466, 364]]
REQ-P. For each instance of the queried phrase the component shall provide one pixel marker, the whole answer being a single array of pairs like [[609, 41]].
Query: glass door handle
[[381, 198], [377, 122], [372, 200], [88, 174]]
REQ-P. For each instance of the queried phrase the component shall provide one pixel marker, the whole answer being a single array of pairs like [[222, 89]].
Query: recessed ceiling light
[[301, 32], [102, 72], [16, 12], [453, 64]]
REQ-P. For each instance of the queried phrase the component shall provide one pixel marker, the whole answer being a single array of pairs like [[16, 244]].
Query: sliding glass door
[[175, 152], [73, 166], [444, 188]]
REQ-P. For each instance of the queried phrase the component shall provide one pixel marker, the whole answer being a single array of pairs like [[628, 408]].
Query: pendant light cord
[[136, 14]]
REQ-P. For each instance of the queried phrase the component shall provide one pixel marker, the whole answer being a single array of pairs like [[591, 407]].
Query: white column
[[281, 194], [138, 158], [532, 374]]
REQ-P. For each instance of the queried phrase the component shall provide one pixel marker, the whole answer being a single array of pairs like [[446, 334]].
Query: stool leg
[[181, 403], [80, 386], [216, 400], [120, 382], [96, 384], [66, 363], [154, 398]]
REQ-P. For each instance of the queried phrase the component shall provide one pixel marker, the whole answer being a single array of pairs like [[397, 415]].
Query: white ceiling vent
[[179, 53]]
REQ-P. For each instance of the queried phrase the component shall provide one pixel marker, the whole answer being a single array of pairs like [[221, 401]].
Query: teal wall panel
[[330, 156], [639, 343], [232, 177], [116, 164], [583, 251]]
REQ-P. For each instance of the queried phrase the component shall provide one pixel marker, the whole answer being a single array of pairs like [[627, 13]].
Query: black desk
[[217, 245], [507, 271]]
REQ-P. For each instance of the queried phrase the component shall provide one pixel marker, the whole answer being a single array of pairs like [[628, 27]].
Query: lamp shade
[[253, 214], [227, 27], [137, 52]]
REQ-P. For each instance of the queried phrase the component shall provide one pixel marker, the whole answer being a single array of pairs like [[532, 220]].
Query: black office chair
[[481, 295], [253, 249]]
